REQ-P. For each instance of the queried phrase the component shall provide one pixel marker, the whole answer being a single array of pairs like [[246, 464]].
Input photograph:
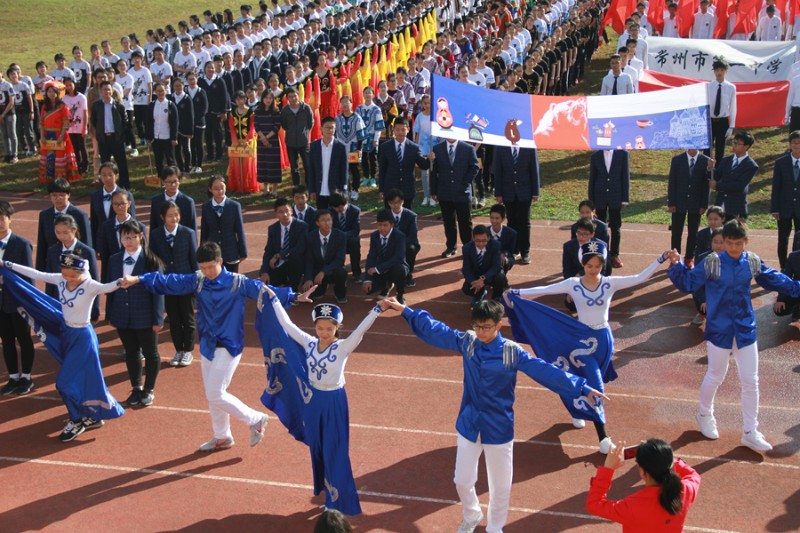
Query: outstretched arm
[[32, 273], [297, 334], [624, 282], [354, 339], [424, 326], [562, 287]]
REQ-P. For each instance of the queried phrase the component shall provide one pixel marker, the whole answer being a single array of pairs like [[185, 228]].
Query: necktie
[[718, 101], [514, 154], [106, 197], [614, 88], [218, 209], [171, 199], [129, 260], [170, 239], [397, 219], [285, 246], [735, 163], [452, 153], [59, 213], [384, 243], [480, 259], [299, 216], [118, 227], [324, 246], [796, 169], [400, 153], [691, 165], [2, 245], [341, 219]]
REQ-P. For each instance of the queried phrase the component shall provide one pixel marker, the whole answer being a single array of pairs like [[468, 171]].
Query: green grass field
[[49, 26]]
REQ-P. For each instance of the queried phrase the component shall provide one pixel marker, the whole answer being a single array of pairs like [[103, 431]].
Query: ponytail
[[655, 458]]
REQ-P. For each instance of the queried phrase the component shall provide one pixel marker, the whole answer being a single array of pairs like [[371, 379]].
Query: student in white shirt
[[704, 22], [161, 70]]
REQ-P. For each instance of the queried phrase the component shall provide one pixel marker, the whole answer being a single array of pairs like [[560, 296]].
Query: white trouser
[[747, 366], [217, 376], [499, 471]]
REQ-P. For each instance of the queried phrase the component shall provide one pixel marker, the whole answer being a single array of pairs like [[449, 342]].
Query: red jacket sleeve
[[596, 503], [690, 479]]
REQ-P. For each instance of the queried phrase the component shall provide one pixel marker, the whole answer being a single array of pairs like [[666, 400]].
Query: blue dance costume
[[64, 328], [325, 413]]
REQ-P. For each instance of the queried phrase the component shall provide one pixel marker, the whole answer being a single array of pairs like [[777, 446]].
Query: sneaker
[[481, 203], [341, 301], [474, 203], [385, 292], [257, 430], [364, 183], [146, 398], [71, 430], [187, 359], [578, 423], [708, 426], [215, 445], [410, 281], [134, 153], [91, 423], [689, 263], [525, 259], [196, 170], [354, 195], [9, 388], [358, 279], [135, 398], [755, 441], [432, 203], [606, 446], [14, 160], [25, 386], [177, 359], [698, 319], [426, 202], [468, 526], [373, 183]]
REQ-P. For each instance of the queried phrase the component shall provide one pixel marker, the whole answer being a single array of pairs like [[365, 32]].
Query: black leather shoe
[[450, 252]]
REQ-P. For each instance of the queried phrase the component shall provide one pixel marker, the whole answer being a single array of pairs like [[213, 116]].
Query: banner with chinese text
[[663, 120], [749, 61]]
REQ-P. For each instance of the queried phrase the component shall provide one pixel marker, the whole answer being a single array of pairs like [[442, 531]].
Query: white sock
[[26, 376], [15, 377]]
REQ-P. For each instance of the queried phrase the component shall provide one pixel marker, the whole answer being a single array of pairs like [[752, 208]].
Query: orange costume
[[242, 175], [56, 163]]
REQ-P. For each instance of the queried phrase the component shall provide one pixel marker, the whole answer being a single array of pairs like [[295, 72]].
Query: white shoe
[[177, 359], [432, 203], [606, 446], [578, 423], [257, 430], [187, 359], [708, 426], [354, 195], [426, 202], [755, 441], [134, 153], [215, 445], [468, 526]]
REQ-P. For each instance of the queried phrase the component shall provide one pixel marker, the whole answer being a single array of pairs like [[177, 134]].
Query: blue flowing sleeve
[[430, 330], [688, 280], [772, 280], [172, 284], [547, 375]]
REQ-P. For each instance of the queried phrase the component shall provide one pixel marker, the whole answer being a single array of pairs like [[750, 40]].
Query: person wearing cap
[[325, 412], [592, 294], [64, 327]]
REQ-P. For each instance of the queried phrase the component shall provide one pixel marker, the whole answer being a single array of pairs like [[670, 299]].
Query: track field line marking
[[452, 434], [281, 484]]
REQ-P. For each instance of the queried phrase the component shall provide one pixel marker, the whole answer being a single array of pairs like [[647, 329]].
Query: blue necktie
[[341, 220], [480, 260], [170, 238], [735, 163], [106, 197], [218, 209], [514, 154], [384, 243], [452, 153], [285, 247], [129, 260], [2, 245], [324, 246], [400, 153], [796, 170], [118, 228]]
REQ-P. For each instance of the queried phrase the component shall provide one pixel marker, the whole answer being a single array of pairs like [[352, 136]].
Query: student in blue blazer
[[59, 191], [347, 218], [185, 106], [504, 235], [176, 246], [329, 174], [687, 195], [137, 313], [284, 255], [405, 221], [13, 328], [481, 266], [785, 201], [200, 102], [170, 180], [516, 185], [324, 258], [609, 189], [108, 238], [386, 260], [221, 222], [100, 201], [398, 173], [733, 176]]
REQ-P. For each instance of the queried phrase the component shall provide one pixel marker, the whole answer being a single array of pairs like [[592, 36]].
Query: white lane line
[[453, 435], [299, 486]]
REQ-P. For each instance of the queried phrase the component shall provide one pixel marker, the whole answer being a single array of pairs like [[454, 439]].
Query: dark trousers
[[25, 132], [484, 182], [197, 147], [13, 329], [146, 340], [323, 202], [164, 153], [718, 129], [294, 153], [396, 275], [354, 251], [182, 322], [678, 219], [411, 256], [289, 273], [369, 164], [139, 117], [794, 119], [792, 308], [232, 267], [339, 279], [452, 213], [214, 145], [498, 284], [183, 154], [81, 156], [130, 138], [110, 148], [355, 176], [612, 217], [519, 219], [784, 230]]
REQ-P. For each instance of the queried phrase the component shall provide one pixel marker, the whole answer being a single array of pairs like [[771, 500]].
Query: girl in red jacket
[[661, 506]]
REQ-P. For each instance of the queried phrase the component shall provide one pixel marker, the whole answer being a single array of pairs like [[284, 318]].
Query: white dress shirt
[[704, 25], [728, 101], [327, 150], [127, 270], [161, 120]]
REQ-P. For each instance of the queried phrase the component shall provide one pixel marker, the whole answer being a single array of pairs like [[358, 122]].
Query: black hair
[[400, 121], [745, 136], [715, 232], [59, 185], [214, 178], [6, 209], [499, 209], [169, 171], [794, 135], [166, 206], [734, 229], [280, 202], [487, 310], [332, 521], [328, 120], [720, 63], [152, 261], [299, 189], [384, 215], [654, 456], [393, 194], [321, 212], [70, 222], [336, 199], [110, 165], [480, 229], [586, 203], [585, 223], [208, 251]]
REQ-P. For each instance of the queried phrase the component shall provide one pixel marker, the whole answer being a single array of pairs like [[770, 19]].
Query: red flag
[[655, 15], [617, 13], [724, 8], [794, 9], [746, 17], [686, 11]]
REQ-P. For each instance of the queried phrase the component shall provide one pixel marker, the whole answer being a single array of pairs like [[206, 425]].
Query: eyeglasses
[[129, 238], [478, 327], [583, 234], [120, 204]]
